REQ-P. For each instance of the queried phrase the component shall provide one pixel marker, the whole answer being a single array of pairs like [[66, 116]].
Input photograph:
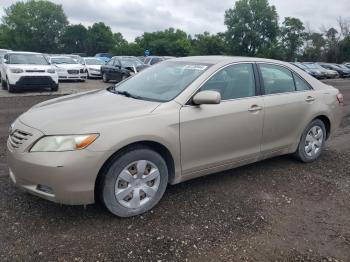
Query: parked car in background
[[343, 67], [121, 67], [26, 70], [105, 57], [92, 66], [151, 60], [68, 68], [142, 58], [328, 72], [347, 64], [341, 71], [2, 53], [311, 71], [175, 121]]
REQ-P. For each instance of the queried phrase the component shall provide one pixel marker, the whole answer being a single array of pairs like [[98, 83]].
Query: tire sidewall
[[105, 78], [112, 173], [301, 149]]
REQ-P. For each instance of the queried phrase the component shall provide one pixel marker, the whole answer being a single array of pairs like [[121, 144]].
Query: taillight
[[340, 98]]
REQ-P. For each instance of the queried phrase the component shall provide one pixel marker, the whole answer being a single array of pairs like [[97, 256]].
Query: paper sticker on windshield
[[195, 67]]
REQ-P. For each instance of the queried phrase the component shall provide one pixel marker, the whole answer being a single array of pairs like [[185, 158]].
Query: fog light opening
[[45, 189]]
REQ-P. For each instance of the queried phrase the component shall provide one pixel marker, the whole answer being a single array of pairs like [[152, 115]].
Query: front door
[[217, 137]]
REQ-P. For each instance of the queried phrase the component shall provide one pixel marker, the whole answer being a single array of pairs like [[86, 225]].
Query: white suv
[[27, 70], [68, 68]]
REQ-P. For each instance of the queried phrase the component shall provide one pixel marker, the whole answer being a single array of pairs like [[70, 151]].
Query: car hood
[[69, 66], [97, 67], [84, 112], [29, 67]]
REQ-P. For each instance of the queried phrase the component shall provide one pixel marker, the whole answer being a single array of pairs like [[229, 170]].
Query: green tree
[[332, 45], [73, 39], [292, 37], [168, 42], [315, 45], [100, 38], [35, 25], [207, 44], [132, 49], [344, 52], [252, 27]]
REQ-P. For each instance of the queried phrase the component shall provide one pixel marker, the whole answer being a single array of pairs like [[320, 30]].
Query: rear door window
[[276, 79]]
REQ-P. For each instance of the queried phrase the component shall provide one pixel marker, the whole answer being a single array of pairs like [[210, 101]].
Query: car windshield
[[93, 61], [311, 66], [130, 62], [162, 82], [343, 67], [27, 59], [300, 65], [63, 60]]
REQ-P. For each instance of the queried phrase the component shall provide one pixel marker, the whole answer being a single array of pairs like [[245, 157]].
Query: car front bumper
[[65, 75], [23, 82], [62, 177]]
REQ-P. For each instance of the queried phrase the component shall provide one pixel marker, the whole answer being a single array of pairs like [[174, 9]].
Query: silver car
[[180, 119]]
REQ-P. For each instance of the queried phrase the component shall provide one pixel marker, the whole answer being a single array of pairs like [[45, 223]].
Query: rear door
[[288, 101], [218, 137]]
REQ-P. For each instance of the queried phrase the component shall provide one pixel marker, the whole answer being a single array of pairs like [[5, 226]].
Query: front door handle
[[255, 108], [310, 99]]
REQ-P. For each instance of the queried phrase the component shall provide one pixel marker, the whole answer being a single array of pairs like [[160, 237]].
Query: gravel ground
[[275, 210]]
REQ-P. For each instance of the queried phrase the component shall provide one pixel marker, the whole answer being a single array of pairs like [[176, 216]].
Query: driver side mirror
[[208, 97], [4, 61]]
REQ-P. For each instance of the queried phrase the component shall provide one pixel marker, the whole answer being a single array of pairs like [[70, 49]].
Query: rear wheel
[[105, 77], [134, 182], [312, 142]]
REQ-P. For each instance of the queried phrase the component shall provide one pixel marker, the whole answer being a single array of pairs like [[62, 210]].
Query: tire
[[132, 199], [3, 84], [55, 88], [10, 88], [312, 142], [105, 77]]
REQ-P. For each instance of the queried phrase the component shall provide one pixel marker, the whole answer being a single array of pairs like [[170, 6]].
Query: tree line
[[253, 29]]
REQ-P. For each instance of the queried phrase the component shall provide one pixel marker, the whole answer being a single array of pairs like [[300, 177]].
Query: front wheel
[[105, 78], [3, 84], [134, 182], [312, 142]]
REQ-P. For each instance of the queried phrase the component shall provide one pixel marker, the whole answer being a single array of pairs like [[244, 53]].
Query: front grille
[[35, 81], [17, 138], [35, 71], [73, 72]]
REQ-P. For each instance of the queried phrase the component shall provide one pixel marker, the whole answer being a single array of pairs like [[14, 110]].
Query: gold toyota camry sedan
[[180, 119]]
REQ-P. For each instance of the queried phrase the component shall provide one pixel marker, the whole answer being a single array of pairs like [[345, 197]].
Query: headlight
[[63, 143], [51, 71], [16, 70]]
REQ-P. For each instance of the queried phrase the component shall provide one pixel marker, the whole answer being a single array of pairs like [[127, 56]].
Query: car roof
[[222, 59], [60, 56], [23, 53]]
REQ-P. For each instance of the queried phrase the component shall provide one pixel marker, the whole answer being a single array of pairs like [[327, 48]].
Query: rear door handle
[[255, 108], [310, 99]]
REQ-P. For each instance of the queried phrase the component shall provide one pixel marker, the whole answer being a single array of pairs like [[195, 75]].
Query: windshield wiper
[[123, 93], [126, 93]]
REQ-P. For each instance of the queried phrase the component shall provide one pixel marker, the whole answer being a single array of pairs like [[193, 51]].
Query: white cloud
[[133, 17]]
